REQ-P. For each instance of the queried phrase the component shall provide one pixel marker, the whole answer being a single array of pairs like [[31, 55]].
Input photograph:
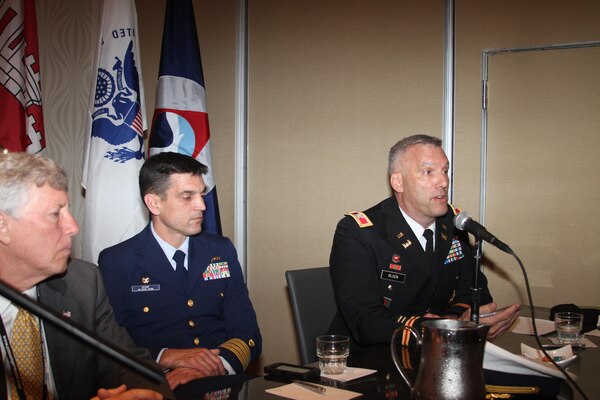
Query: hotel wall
[[332, 85]]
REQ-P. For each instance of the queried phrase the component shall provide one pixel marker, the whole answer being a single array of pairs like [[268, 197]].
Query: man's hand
[[182, 375], [206, 362], [501, 321], [121, 393]]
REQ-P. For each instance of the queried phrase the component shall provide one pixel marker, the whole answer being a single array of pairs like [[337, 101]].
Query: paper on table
[[498, 359], [524, 325], [350, 374], [563, 356], [297, 392], [595, 332]]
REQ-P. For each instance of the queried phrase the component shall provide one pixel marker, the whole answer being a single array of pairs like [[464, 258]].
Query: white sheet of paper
[[498, 359], [524, 325], [350, 374], [595, 332], [293, 391]]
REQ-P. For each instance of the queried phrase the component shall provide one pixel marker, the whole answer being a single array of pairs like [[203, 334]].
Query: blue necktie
[[180, 270]]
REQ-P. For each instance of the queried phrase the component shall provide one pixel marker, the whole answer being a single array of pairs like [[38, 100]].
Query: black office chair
[[313, 306]]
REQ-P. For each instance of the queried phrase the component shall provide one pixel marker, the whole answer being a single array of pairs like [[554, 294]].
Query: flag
[[114, 153], [180, 122], [21, 119]]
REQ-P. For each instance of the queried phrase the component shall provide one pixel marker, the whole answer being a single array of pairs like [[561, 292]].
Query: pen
[[487, 314], [311, 386]]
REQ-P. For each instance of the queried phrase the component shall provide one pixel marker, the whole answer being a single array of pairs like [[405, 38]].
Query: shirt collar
[[170, 250], [5, 303], [415, 226]]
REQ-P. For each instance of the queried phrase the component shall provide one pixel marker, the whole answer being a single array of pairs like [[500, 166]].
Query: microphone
[[464, 222]]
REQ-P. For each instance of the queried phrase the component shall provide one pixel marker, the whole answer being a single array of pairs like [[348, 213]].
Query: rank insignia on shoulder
[[361, 219], [455, 209]]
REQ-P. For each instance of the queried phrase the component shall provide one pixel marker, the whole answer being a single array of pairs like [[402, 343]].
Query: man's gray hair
[[399, 148], [18, 171]]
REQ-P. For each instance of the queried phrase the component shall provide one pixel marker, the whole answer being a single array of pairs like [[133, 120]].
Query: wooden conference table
[[387, 382]]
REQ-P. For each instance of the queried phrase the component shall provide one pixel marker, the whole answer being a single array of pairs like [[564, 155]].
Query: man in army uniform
[[383, 272], [178, 292]]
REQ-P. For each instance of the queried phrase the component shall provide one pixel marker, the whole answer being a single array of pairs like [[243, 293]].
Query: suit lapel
[[400, 235], [443, 241], [152, 259], [60, 353]]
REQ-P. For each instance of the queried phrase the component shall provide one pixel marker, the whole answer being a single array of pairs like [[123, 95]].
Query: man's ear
[[153, 203], [4, 229], [396, 182]]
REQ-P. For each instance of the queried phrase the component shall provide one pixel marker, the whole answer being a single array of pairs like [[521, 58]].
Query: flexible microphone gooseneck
[[464, 222]]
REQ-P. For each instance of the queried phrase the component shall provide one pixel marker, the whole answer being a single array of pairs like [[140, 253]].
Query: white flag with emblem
[[114, 210]]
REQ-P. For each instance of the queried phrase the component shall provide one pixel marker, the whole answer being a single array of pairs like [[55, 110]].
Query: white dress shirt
[[418, 229]]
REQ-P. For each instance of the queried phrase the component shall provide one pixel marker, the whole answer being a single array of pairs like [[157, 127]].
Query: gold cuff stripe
[[406, 358], [240, 349]]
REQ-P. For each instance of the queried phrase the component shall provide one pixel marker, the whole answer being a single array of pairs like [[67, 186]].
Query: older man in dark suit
[[36, 231]]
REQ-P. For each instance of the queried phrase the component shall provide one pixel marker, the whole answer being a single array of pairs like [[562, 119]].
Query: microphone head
[[461, 219]]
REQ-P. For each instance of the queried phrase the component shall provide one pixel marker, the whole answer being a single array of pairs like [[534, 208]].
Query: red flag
[[21, 119]]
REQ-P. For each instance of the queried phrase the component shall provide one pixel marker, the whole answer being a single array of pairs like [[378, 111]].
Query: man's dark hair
[[156, 172]]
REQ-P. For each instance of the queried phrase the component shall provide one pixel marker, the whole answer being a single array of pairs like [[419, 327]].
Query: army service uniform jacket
[[382, 278], [213, 311]]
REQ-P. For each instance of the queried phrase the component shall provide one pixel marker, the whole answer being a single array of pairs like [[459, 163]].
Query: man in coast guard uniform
[[179, 293], [383, 273]]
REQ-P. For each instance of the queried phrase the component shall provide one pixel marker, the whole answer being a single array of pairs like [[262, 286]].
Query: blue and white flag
[[180, 122], [114, 154]]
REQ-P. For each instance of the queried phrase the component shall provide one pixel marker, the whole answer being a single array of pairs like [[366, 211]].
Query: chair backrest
[[313, 306]]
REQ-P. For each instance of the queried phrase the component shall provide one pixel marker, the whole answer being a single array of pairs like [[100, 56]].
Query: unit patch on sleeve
[[361, 219]]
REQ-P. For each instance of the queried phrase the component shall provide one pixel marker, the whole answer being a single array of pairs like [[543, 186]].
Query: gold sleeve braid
[[407, 321], [240, 349]]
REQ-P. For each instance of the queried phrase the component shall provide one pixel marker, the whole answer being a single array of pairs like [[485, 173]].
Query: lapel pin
[[406, 244]]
